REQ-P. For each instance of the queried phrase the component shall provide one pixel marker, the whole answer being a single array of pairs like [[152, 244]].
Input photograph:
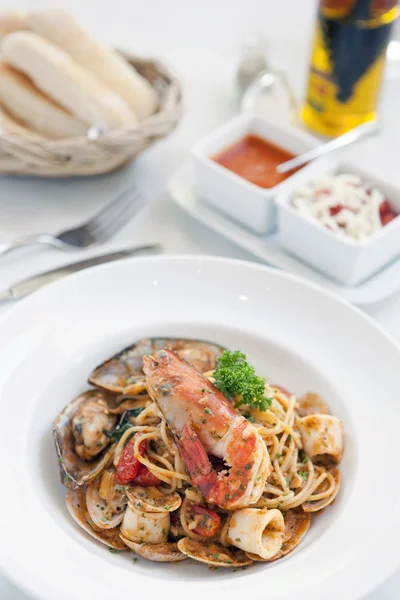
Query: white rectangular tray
[[181, 187]]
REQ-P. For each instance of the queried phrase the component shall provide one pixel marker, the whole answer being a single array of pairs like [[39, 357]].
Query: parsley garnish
[[303, 474], [302, 456], [208, 411], [236, 379], [249, 417], [134, 559], [113, 550]]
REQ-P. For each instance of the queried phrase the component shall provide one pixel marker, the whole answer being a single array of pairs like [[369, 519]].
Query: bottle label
[[349, 54]]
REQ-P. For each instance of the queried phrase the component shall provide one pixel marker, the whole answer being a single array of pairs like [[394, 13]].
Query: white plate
[[51, 341], [181, 187]]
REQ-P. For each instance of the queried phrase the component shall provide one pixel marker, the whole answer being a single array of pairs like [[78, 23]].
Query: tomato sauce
[[256, 160]]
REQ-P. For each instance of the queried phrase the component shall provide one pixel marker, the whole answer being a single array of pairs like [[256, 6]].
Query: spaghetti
[[163, 492]]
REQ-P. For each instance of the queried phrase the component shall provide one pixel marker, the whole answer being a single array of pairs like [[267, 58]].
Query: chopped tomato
[[208, 523], [387, 217], [334, 210], [128, 465], [146, 477], [385, 208]]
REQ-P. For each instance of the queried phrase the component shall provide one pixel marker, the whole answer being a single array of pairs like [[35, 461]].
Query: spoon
[[350, 137]]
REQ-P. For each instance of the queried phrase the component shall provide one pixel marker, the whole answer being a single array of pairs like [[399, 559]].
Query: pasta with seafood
[[182, 451]]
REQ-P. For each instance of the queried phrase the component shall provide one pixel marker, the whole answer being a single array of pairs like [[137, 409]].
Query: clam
[[122, 373], [213, 554], [76, 505], [332, 483], [167, 552], [154, 499], [297, 523], [106, 501], [82, 446], [311, 404]]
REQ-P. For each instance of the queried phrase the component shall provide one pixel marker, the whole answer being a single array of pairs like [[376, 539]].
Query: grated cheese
[[343, 204]]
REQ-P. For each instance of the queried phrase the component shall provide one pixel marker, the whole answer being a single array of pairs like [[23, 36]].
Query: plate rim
[[197, 257], [41, 295]]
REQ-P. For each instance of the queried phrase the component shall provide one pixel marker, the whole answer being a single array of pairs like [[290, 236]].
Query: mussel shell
[[152, 499], [297, 524], [122, 373], [213, 554], [167, 552], [74, 471], [311, 404], [76, 505]]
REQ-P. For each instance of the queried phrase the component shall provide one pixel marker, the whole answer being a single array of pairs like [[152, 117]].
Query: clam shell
[[96, 506], [311, 404], [76, 505], [315, 505], [297, 523], [152, 499], [122, 373], [74, 471], [167, 552], [213, 554]]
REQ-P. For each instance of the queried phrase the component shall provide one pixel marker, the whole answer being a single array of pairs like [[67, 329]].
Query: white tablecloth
[[200, 40]]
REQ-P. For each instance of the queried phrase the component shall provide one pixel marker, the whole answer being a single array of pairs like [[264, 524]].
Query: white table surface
[[196, 39]]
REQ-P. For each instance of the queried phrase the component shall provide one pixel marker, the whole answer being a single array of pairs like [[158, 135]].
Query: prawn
[[205, 423]]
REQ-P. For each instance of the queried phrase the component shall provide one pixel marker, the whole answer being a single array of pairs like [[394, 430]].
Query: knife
[[27, 286]]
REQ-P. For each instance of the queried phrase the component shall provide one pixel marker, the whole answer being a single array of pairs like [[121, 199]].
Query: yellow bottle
[[347, 63]]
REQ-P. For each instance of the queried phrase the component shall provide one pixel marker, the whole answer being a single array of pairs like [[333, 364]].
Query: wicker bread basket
[[24, 152]]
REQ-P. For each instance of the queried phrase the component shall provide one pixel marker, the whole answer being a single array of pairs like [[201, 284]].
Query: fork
[[98, 229]]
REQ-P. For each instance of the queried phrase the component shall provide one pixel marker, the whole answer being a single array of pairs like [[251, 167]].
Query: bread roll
[[27, 104], [11, 20], [108, 66], [59, 77], [10, 126]]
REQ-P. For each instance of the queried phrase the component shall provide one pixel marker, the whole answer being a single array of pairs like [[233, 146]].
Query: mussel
[[83, 447], [122, 373]]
